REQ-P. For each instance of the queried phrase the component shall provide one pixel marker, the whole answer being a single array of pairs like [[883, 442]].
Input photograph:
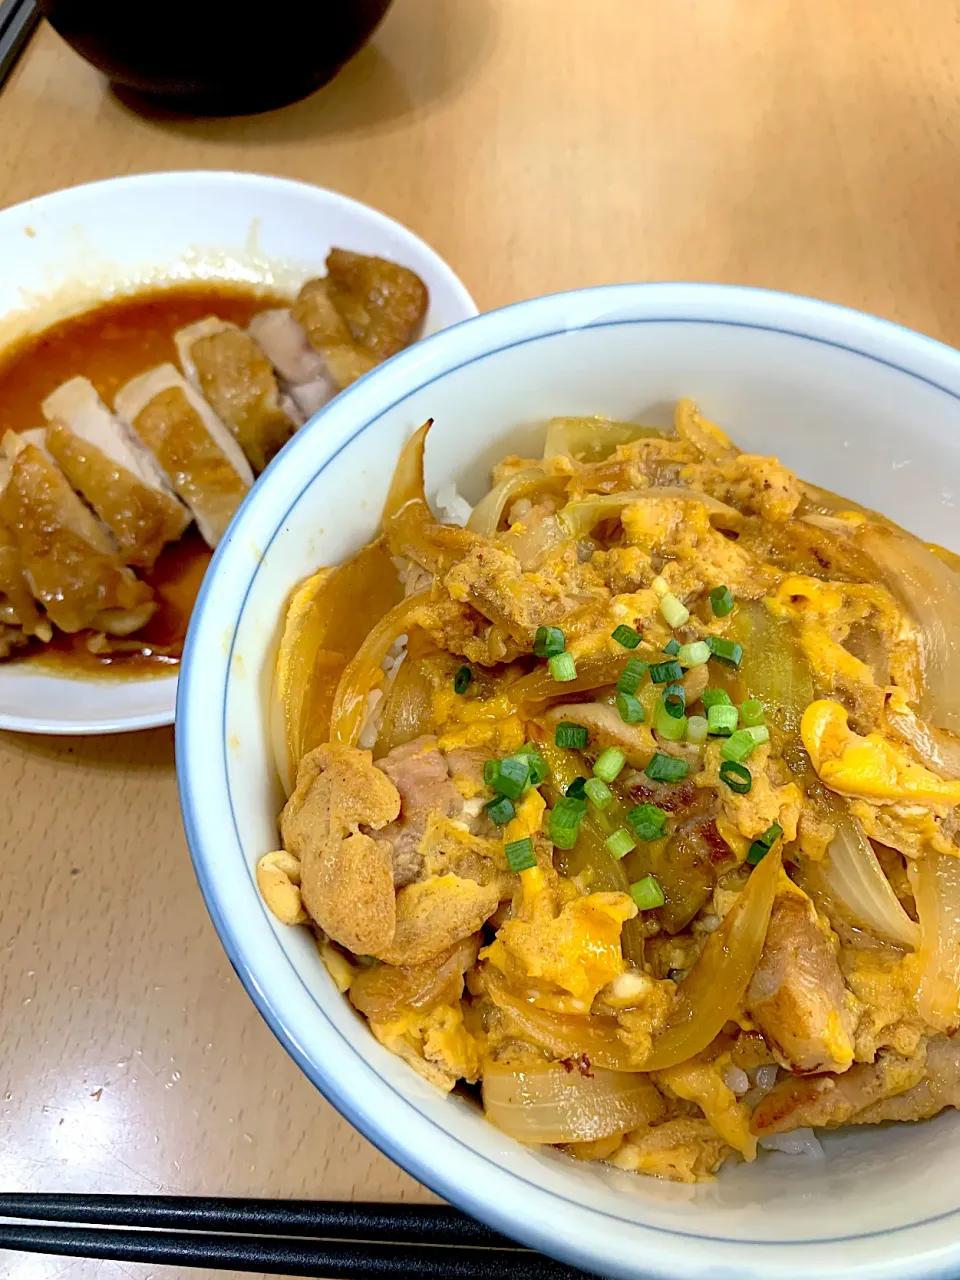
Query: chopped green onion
[[738, 746], [577, 789], [729, 652], [508, 776], [721, 719], [609, 763], [664, 768], [694, 655], [562, 667], [721, 601], [763, 844], [759, 733], [737, 777], [672, 647], [571, 735], [620, 843], [666, 672], [565, 818], [548, 641], [599, 792], [630, 708], [648, 821], [697, 729], [501, 811], [715, 698], [626, 636], [520, 855], [461, 681], [631, 675], [675, 700], [535, 763], [751, 712], [667, 725], [647, 893], [675, 614]]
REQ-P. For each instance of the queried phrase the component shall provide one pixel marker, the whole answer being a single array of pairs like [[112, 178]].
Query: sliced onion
[[407, 707], [853, 876], [327, 620], [564, 1035], [936, 885], [774, 668], [581, 518], [488, 512], [938, 749], [363, 672], [591, 439], [553, 1104], [930, 590], [539, 686], [711, 994], [705, 436], [530, 545]]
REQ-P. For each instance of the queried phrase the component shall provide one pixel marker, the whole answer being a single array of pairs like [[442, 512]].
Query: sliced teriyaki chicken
[[204, 463], [383, 304], [109, 466], [328, 333], [301, 369], [232, 373], [19, 616], [70, 562], [797, 996]]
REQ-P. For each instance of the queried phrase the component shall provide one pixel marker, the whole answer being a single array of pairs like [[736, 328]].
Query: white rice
[[736, 1080], [766, 1077], [801, 1142], [453, 508]]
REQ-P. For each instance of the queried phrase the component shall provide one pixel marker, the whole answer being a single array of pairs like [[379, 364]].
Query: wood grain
[[539, 145]]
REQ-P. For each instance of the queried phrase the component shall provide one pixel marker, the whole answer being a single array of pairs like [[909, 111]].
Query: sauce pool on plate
[[110, 344]]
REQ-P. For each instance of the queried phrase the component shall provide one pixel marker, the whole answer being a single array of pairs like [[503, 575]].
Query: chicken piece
[[829, 1101], [939, 1088], [19, 614], [236, 378], [205, 464], [432, 915], [68, 559], [491, 581], [752, 483], [797, 995], [420, 774], [607, 729], [383, 304], [327, 331], [302, 371], [346, 880], [108, 465]]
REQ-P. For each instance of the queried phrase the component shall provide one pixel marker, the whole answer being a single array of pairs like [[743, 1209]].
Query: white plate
[[850, 402], [62, 253]]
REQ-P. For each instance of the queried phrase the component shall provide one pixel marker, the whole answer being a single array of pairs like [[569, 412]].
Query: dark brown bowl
[[212, 58]]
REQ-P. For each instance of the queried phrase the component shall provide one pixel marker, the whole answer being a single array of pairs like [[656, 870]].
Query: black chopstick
[[17, 21], [354, 1240], [321, 1219]]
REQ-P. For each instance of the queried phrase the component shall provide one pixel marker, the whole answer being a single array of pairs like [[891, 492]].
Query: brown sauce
[[110, 344]]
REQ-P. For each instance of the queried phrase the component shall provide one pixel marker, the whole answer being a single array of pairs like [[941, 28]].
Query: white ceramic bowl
[[62, 253], [859, 405]]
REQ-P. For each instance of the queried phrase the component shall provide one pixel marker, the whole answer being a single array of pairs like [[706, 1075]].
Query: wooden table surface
[[805, 145]]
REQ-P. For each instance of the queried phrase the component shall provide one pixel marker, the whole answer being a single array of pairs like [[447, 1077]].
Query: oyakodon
[[634, 802]]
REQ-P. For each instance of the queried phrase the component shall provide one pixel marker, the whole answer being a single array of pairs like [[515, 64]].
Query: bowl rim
[[76, 198], [408, 373]]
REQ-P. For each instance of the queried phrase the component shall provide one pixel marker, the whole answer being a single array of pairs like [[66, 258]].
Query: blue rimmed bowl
[[858, 405]]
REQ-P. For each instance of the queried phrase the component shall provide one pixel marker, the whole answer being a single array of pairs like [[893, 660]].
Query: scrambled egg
[[869, 768]]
